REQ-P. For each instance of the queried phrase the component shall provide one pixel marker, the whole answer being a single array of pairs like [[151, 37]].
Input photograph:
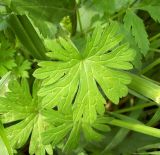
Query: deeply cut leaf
[[75, 76], [24, 109], [135, 24], [64, 129]]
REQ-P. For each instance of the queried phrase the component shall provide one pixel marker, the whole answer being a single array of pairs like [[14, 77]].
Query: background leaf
[[135, 24]]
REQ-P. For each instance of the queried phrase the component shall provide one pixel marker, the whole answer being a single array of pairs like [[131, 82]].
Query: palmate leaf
[[24, 109], [73, 76]]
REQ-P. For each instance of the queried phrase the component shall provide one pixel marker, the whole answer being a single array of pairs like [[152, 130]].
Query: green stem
[[155, 50], [145, 87], [150, 66], [121, 134], [118, 14], [33, 35], [25, 32], [136, 127], [154, 37], [155, 118], [139, 106]]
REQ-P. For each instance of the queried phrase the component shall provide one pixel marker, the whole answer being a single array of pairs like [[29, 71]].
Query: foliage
[[79, 77]]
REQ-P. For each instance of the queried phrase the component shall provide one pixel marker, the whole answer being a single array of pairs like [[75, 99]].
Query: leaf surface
[[73, 76], [135, 24], [23, 110]]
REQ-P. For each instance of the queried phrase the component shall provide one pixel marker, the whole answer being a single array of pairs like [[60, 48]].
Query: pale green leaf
[[24, 109], [4, 83], [65, 130], [36, 145], [73, 77], [19, 133], [5, 147]]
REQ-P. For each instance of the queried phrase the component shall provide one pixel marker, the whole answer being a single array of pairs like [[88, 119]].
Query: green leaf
[[48, 10], [4, 83], [74, 76], [22, 67], [121, 134], [19, 133], [155, 119], [44, 28], [27, 35], [8, 2], [73, 138], [24, 109], [61, 126], [153, 11], [65, 129], [150, 2], [137, 62], [6, 56], [45, 13], [36, 145], [90, 134], [135, 24], [5, 147]]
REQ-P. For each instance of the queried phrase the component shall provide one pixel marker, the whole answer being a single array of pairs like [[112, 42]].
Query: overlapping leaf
[[20, 107], [44, 13], [48, 10], [73, 76], [22, 67], [135, 24], [64, 125]]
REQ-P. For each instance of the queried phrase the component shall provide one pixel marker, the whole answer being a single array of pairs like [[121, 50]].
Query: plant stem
[[118, 14], [136, 127], [154, 37], [155, 50], [139, 106], [150, 66], [145, 87], [27, 36]]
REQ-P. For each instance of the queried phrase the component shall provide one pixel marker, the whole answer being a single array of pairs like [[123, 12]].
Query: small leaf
[[6, 56], [22, 67], [135, 24]]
